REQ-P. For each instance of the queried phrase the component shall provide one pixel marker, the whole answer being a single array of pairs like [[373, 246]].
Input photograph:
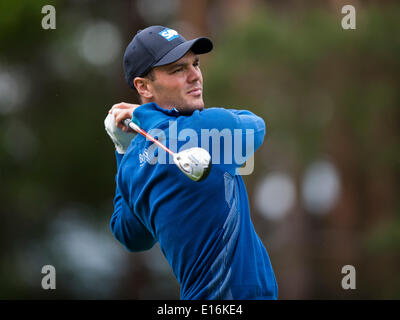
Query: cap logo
[[169, 34]]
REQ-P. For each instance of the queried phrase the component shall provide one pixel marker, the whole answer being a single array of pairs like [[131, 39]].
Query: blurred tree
[[323, 92]]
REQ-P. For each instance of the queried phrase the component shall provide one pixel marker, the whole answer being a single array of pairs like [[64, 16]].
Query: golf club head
[[194, 163]]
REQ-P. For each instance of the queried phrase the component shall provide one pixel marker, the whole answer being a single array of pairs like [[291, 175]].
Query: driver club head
[[194, 163]]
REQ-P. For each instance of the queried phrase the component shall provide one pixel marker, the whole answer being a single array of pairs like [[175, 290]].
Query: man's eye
[[177, 70], [196, 64]]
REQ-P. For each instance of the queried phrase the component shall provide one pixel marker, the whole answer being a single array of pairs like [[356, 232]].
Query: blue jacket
[[204, 228]]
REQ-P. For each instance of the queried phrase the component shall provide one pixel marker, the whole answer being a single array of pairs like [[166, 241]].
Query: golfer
[[204, 228]]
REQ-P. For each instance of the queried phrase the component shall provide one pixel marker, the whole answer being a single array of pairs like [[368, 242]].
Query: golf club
[[195, 162]]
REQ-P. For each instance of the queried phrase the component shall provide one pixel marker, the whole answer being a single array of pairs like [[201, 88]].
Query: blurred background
[[325, 189]]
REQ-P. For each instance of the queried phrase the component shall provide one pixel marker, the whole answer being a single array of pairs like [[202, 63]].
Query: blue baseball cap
[[158, 46]]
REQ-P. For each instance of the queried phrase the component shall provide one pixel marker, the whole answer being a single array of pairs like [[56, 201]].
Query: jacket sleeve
[[246, 130], [125, 225], [249, 122]]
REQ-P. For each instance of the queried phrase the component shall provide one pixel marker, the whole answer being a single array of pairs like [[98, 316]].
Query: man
[[204, 228]]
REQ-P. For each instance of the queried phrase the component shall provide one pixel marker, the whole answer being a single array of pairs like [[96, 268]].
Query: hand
[[121, 112], [117, 131]]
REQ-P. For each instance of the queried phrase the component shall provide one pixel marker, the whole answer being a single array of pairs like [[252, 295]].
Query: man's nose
[[194, 74]]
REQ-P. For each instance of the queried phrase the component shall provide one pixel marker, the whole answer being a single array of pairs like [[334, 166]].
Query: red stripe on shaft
[[154, 140]]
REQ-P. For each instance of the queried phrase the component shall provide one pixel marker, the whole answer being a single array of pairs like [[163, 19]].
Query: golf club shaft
[[135, 127]]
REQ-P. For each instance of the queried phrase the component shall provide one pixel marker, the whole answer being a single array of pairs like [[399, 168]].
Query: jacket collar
[[150, 114]]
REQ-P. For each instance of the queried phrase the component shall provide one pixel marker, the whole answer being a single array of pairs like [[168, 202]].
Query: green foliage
[[304, 72]]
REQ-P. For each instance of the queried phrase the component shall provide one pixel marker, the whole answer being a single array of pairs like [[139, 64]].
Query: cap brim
[[197, 46]]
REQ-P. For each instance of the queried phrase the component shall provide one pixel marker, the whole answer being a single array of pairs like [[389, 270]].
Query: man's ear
[[143, 87]]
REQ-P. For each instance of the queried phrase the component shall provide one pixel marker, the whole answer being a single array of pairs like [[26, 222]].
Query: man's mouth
[[195, 91]]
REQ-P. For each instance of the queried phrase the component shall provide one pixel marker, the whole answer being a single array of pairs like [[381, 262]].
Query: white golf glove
[[121, 139]]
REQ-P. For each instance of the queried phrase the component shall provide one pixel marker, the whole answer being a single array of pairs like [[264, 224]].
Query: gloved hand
[[121, 139]]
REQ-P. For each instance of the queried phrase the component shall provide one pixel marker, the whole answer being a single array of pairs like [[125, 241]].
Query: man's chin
[[190, 108]]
